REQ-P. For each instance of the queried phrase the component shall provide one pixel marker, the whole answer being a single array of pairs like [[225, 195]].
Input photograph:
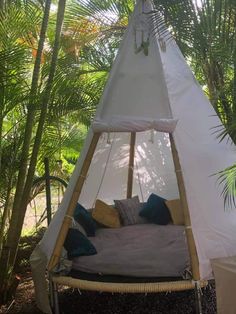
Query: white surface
[[107, 176], [124, 124]]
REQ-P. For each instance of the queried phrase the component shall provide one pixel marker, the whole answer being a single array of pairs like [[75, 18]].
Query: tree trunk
[[2, 108], [234, 77], [31, 111], [4, 270], [1, 128], [5, 216], [17, 218]]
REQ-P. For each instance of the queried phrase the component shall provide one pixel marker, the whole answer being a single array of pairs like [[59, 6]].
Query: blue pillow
[[155, 210], [85, 219], [78, 244]]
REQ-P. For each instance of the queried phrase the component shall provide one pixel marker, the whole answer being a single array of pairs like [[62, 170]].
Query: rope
[[73, 222], [82, 176], [152, 136], [104, 172], [198, 295], [109, 138], [178, 170], [197, 284], [68, 216], [139, 181]]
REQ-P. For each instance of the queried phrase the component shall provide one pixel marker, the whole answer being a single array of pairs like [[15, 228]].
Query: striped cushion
[[129, 210]]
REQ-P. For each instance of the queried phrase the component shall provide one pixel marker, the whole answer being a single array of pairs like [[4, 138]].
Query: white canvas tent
[[152, 96]]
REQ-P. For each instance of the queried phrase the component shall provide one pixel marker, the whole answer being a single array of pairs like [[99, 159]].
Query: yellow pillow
[[176, 211], [106, 215]]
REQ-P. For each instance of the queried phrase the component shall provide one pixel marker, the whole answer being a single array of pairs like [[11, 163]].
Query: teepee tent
[[152, 133]]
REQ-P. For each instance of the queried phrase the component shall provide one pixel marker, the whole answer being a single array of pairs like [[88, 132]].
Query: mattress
[[145, 250]]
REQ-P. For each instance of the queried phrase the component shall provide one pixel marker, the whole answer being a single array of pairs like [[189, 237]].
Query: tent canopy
[[156, 90]]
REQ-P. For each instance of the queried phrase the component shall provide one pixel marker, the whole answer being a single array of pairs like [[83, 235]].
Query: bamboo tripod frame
[[78, 188], [131, 165], [183, 199], [149, 287], [113, 287]]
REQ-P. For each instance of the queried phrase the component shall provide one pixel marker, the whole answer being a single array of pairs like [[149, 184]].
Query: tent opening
[[127, 166]]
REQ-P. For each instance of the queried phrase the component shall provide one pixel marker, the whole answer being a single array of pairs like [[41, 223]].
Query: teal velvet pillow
[[77, 244], [155, 210], [85, 219]]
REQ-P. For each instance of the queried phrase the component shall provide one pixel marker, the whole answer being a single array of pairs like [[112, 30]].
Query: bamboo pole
[[131, 165], [183, 199], [115, 287], [72, 203]]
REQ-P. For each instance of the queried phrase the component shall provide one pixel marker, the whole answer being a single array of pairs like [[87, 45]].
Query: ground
[[73, 301], [93, 303]]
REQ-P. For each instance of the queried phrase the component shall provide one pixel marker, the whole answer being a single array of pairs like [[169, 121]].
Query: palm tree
[[15, 60], [75, 84], [19, 209], [4, 258]]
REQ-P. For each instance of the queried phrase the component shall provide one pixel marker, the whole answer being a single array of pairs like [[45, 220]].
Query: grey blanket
[[145, 250]]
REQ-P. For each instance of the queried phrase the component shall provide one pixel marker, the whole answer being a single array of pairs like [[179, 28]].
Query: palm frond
[[227, 132], [227, 179], [60, 141]]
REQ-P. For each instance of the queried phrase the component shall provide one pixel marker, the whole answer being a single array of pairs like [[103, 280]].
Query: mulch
[[73, 301], [161, 303]]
